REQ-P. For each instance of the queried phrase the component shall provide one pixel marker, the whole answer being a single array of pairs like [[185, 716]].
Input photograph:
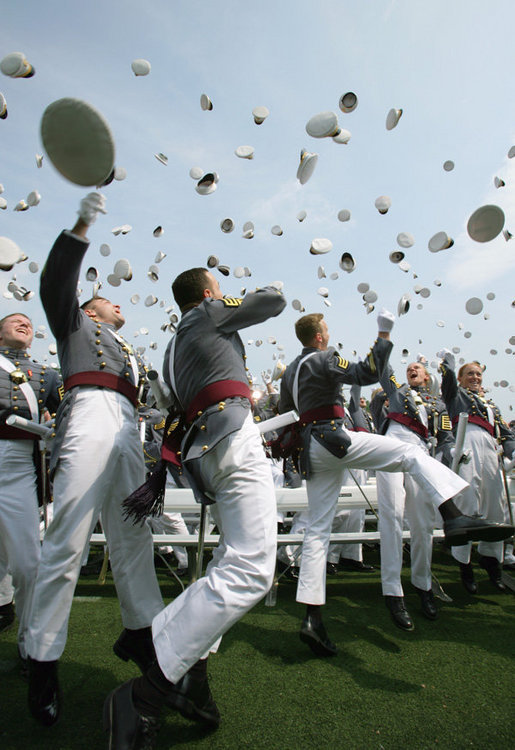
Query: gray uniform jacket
[[208, 349], [319, 384], [83, 345], [480, 410], [43, 380], [406, 405]]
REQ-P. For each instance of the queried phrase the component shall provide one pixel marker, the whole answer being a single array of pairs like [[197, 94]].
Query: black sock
[[448, 510], [314, 611], [149, 692]]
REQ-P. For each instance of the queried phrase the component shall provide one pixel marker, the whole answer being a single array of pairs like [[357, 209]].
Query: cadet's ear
[[90, 313]]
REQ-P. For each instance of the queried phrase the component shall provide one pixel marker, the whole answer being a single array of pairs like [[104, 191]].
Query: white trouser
[[396, 493], [237, 474], [349, 521], [171, 523], [366, 451], [19, 525], [6, 586], [100, 464], [484, 495]]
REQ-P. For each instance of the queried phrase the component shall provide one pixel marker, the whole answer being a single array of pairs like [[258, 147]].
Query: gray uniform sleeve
[[231, 314], [362, 373], [59, 279]]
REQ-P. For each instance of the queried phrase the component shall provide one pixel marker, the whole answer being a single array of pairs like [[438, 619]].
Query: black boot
[[44, 693], [467, 578], [399, 613], [493, 568], [6, 616], [127, 728], [314, 634], [427, 602], [136, 645]]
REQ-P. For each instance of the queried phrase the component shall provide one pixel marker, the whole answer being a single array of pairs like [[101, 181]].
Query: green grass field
[[448, 684]]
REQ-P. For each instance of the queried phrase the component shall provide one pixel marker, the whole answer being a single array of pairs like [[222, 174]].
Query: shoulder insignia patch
[[160, 425], [343, 363], [446, 422], [60, 391], [232, 301], [394, 381]]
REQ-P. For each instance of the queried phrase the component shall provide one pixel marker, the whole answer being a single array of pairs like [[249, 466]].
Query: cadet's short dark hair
[[307, 327], [89, 304], [11, 315], [188, 287]]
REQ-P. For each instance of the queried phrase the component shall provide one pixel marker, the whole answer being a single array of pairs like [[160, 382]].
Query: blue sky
[[447, 65]]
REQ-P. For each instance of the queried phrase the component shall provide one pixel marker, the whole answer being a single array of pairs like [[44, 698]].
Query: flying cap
[[150, 300], [343, 136], [323, 125], [473, 306], [301, 215], [347, 263], [122, 269], [33, 198], [321, 272], [323, 291], [396, 256], [344, 215], [440, 241], [392, 118], [33, 266], [405, 239], [511, 152], [348, 102], [3, 203], [3, 107], [207, 183], [363, 287], [21, 206], [260, 114], [39, 160], [158, 231], [78, 141], [485, 223], [105, 250], [297, 305], [320, 246], [10, 253], [114, 280], [307, 166], [224, 270], [120, 174], [162, 158], [383, 203], [448, 165], [212, 261], [15, 65], [205, 103], [403, 306], [490, 296], [370, 296], [196, 173], [498, 182], [276, 229], [227, 225], [140, 67], [245, 152], [91, 274], [404, 265]]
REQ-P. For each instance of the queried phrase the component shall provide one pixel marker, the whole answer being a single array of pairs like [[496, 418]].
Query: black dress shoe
[[6, 616], [467, 578], [136, 645], [347, 563], [193, 699], [399, 613], [493, 568], [44, 693], [427, 602], [331, 569], [315, 636], [127, 729], [463, 529]]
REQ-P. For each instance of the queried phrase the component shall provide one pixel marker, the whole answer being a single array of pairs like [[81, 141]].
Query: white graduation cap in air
[[16, 65], [205, 103], [140, 67], [448, 165], [301, 215], [392, 118], [348, 102], [347, 262], [323, 125], [3, 107], [485, 223], [320, 246], [207, 183], [10, 253], [405, 239], [308, 162], [260, 113], [245, 152], [383, 203], [227, 225], [474, 306], [344, 215], [440, 241]]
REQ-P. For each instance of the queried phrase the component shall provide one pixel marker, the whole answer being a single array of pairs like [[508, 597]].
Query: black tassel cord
[[147, 500]]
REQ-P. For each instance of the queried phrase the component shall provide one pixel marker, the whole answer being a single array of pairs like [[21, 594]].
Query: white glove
[[267, 378], [385, 321], [90, 206], [448, 357]]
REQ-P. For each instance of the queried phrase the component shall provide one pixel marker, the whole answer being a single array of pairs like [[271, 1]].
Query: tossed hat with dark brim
[[78, 142], [307, 166], [10, 253], [3, 107], [348, 102], [16, 65]]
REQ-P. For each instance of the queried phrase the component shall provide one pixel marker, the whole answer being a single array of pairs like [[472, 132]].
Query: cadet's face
[[106, 312], [324, 334], [213, 286], [17, 332], [416, 374], [471, 377]]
